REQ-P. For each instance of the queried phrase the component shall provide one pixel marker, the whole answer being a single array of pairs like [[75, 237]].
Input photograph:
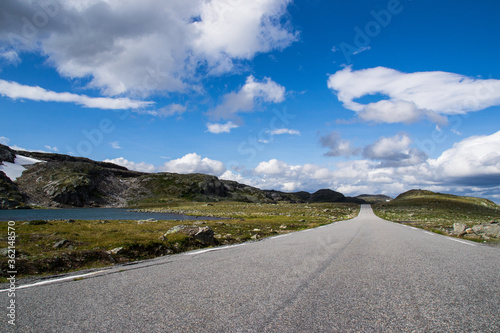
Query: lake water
[[88, 214]]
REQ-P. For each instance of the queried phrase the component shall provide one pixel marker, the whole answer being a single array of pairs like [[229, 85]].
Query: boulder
[[459, 229], [488, 230], [203, 234]]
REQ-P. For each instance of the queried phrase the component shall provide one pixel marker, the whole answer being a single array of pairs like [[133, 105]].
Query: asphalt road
[[362, 275]]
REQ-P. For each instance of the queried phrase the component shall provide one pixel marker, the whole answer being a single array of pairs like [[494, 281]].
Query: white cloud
[[15, 91], [412, 96], [140, 47], [244, 100], [470, 167], [394, 151], [221, 128], [472, 161], [397, 112], [229, 175], [115, 145], [239, 29], [54, 149], [273, 167], [193, 163], [281, 131], [10, 56], [337, 146], [142, 166]]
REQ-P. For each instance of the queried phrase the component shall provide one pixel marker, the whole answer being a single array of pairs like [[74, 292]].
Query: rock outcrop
[[10, 196], [202, 234], [489, 230], [6, 154]]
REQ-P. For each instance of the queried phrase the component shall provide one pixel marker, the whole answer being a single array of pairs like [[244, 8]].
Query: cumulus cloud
[[279, 175], [244, 100], [221, 128], [140, 47], [391, 166], [472, 161], [394, 151], [337, 145], [193, 163], [412, 96], [16, 91], [115, 145], [142, 166]]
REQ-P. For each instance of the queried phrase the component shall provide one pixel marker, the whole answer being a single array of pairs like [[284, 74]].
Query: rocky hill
[[374, 198], [67, 181]]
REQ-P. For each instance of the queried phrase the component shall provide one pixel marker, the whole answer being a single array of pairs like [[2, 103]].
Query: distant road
[[362, 275]]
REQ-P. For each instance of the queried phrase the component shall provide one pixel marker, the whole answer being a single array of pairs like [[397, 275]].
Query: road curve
[[361, 275]]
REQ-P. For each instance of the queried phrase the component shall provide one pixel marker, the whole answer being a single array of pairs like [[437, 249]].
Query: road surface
[[362, 275]]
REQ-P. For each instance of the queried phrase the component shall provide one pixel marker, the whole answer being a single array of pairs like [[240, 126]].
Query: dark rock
[[37, 222], [213, 187], [6, 154], [10, 196]]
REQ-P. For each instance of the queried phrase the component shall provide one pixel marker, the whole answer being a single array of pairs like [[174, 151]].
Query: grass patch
[[88, 243]]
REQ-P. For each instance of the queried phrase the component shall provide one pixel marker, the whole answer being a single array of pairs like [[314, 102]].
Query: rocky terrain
[[67, 181]]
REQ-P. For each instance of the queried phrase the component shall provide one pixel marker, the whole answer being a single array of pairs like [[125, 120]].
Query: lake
[[88, 214]]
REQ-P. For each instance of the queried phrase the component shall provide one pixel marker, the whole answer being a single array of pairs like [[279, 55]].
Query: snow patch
[[15, 170]]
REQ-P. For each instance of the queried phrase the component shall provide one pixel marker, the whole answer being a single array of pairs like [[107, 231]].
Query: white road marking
[[279, 236], [53, 281], [460, 241], [213, 249], [430, 233]]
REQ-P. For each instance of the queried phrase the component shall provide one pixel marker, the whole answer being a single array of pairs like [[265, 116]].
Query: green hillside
[[438, 211]]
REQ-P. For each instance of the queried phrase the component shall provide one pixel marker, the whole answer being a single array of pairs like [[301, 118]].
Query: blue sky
[[356, 96]]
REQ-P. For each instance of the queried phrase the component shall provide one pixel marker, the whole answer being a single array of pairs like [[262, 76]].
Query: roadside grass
[[88, 243], [438, 212]]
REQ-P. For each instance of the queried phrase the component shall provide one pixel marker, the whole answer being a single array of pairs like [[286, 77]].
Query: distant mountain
[[67, 181], [374, 198]]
